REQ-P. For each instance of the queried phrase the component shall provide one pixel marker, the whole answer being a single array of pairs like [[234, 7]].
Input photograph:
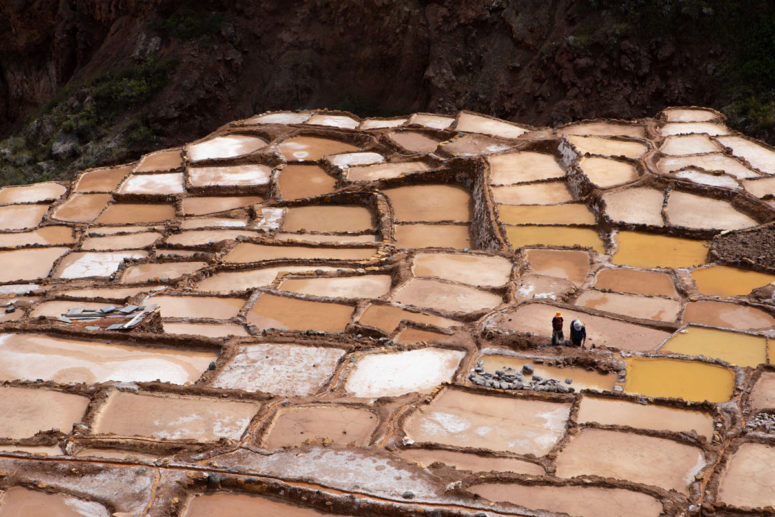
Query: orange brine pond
[[328, 218], [547, 193], [470, 461], [133, 213], [214, 204], [650, 283], [160, 161], [413, 141], [46, 235], [245, 279], [604, 129], [388, 317], [466, 268], [101, 180], [197, 306], [729, 281], [312, 148], [28, 264], [362, 286], [735, 348], [384, 171], [35, 193], [567, 236], [651, 251], [569, 213], [247, 252], [26, 411], [430, 203], [21, 217], [568, 264], [285, 313], [301, 181], [240, 505], [693, 381], [326, 424], [23, 502], [455, 236], [635, 306]]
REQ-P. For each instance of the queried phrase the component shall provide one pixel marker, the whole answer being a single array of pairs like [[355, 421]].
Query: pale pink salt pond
[[228, 146]]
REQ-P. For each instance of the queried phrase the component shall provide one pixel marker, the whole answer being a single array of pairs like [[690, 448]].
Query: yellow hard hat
[[558, 315]]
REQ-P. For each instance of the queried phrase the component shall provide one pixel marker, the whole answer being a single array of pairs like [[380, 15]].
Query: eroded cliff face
[[537, 61]]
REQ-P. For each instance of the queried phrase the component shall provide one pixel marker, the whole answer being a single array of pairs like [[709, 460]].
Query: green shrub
[[188, 24]]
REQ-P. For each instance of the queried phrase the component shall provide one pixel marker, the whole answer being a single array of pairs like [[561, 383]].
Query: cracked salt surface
[[80, 265], [389, 375]]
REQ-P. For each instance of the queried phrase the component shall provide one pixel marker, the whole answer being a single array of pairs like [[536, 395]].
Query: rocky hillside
[[88, 82]]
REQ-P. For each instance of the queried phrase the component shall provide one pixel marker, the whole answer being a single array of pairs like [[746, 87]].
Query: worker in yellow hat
[[557, 337]]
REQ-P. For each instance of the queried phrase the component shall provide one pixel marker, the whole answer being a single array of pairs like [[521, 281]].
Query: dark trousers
[[557, 337]]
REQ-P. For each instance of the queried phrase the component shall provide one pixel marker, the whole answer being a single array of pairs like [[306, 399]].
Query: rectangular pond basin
[[94, 264], [246, 252], [474, 123], [241, 505], [607, 146], [415, 236], [430, 203], [21, 502], [214, 204], [693, 381], [227, 146], [702, 212], [132, 241], [250, 175], [160, 161], [283, 369], [196, 238], [633, 457], [536, 319], [633, 414], [548, 193], [28, 410], [729, 281], [763, 393], [761, 187], [328, 218], [568, 236], [215, 330], [413, 141], [732, 347], [746, 481], [569, 213], [681, 145], [170, 417], [388, 317], [581, 377], [36, 356], [757, 155], [633, 305], [571, 265], [361, 286], [579, 501], [727, 315], [135, 213], [651, 251], [81, 208], [312, 148], [302, 181], [384, 171], [21, 217], [707, 162], [237, 281], [604, 128], [523, 167], [444, 297], [197, 306], [339, 425], [285, 313], [649, 283], [461, 419], [28, 264], [159, 272], [471, 269], [394, 374], [606, 172], [35, 193], [470, 462], [101, 180], [46, 236], [166, 184], [638, 205]]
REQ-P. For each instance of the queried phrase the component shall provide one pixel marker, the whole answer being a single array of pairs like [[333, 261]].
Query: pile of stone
[[762, 422], [104, 318], [510, 379]]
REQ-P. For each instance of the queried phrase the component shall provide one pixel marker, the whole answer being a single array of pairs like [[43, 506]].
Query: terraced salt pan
[[470, 122], [384, 171], [286, 370], [234, 281], [635, 306], [523, 167], [444, 297], [388, 317], [704, 178], [173, 417], [251, 175], [26, 411], [747, 481], [135, 213], [228, 146], [101, 180], [476, 270], [581, 501], [345, 160], [652, 251], [689, 115], [536, 318], [92, 264], [569, 264], [286, 313], [36, 193], [391, 375], [692, 381], [121, 242], [760, 187], [567, 236], [727, 315], [194, 238], [733, 347], [682, 145], [22, 502], [684, 128], [160, 161], [311, 148], [650, 283], [197, 306], [462, 419], [581, 377], [606, 172], [36, 356], [430, 203], [413, 141], [700, 212], [607, 146], [21, 217], [762, 395], [240, 505], [216, 330], [162, 271], [539, 287], [212, 222], [430, 120], [708, 162], [759, 156], [381, 123], [301, 181], [416, 236], [729, 281], [472, 145], [639, 205], [154, 184], [470, 462], [644, 416], [214, 204], [337, 425], [643, 459], [412, 336], [549, 193], [569, 213], [320, 238], [280, 117], [108, 293], [29, 264], [327, 218], [247, 252], [81, 208], [604, 129], [362, 286], [340, 121]]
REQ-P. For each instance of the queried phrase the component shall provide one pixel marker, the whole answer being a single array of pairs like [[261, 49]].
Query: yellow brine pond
[[733, 347], [648, 250], [693, 381]]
